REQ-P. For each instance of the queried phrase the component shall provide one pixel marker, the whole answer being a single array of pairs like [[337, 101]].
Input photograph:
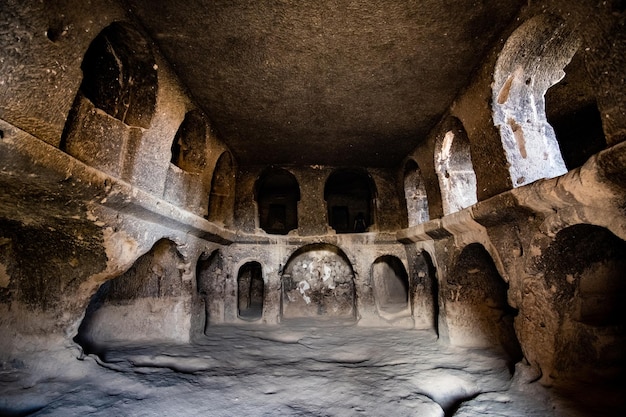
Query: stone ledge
[[30, 167]]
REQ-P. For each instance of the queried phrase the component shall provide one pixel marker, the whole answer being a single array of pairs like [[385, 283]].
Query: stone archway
[[454, 168], [189, 145], [222, 195], [415, 194], [117, 95], [277, 194], [318, 282], [474, 310], [144, 303], [584, 268], [391, 285], [250, 291]]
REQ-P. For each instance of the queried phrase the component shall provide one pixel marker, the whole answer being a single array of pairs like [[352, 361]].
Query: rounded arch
[[189, 145], [211, 276], [475, 306], [531, 61], [277, 193], [424, 288], [415, 194], [222, 194], [454, 168], [318, 281], [391, 284], [155, 275], [117, 94], [349, 195], [584, 268], [120, 76], [250, 291]]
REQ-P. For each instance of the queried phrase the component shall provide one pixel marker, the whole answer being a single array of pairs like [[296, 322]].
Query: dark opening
[[119, 75], [251, 291], [572, 111], [339, 218], [277, 194], [349, 195], [210, 286]]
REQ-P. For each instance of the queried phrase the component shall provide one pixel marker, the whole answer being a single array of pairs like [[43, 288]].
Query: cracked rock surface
[[302, 368]]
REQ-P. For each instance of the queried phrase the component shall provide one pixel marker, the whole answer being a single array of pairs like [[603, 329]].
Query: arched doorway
[[210, 282], [453, 165], [250, 291], [475, 307], [189, 145], [415, 194], [222, 195], [123, 308], [391, 284], [424, 289], [318, 281], [584, 268], [119, 82], [277, 194]]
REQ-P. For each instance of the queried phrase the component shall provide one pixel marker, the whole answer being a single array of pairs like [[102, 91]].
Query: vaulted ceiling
[[329, 82]]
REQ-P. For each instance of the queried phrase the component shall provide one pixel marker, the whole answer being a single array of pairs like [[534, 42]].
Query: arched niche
[[318, 281], [143, 303], [211, 278], [415, 194], [189, 145], [277, 193], [584, 269], [116, 99], [391, 284], [475, 307], [222, 195], [424, 289], [453, 165], [250, 291], [349, 196], [572, 111], [120, 76], [531, 61]]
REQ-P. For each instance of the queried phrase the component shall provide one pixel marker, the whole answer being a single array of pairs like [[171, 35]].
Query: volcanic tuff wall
[[534, 269]]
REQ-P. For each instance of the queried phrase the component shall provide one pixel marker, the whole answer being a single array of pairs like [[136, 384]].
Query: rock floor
[[299, 369]]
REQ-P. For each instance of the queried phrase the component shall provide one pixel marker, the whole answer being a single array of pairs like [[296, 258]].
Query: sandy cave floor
[[298, 369]]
